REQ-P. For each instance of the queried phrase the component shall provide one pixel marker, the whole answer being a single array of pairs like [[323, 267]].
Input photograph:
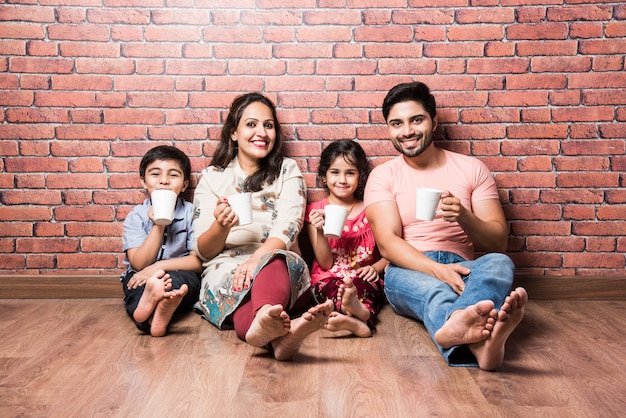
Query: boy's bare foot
[[348, 299], [165, 309], [287, 346], [490, 352], [339, 322], [469, 325], [269, 323], [155, 289]]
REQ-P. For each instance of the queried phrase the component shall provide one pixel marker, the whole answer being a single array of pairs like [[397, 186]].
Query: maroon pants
[[272, 286]]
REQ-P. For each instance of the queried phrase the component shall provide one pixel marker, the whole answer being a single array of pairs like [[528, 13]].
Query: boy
[[162, 275]]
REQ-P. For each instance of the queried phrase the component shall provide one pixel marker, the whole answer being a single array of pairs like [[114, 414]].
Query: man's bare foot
[[270, 322], [349, 301], [340, 322], [165, 309], [155, 289], [490, 352], [287, 346], [469, 325]]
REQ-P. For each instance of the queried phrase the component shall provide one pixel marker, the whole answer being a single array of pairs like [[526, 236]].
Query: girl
[[346, 270]]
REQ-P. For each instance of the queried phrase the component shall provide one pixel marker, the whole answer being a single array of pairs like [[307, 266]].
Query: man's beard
[[413, 152]]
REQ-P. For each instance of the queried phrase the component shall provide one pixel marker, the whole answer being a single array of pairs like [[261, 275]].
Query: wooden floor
[[84, 358]]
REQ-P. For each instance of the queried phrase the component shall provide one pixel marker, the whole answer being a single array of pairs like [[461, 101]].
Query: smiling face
[[255, 133], [342, 178], [164, 174], [410, 128]]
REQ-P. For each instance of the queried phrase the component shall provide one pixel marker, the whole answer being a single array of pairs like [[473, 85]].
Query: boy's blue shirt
[[178, 236]]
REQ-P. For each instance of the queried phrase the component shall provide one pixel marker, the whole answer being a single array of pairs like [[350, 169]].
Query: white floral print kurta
[[277, 211]]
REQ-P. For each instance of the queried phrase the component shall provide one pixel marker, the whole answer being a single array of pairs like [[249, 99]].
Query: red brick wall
[[534, 88]]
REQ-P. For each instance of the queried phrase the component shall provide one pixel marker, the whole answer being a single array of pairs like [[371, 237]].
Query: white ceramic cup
[[163, 205], [426, 202], [241, 203], [334, 218]]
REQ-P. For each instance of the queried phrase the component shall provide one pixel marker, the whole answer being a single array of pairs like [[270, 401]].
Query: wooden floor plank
[[85, 357]]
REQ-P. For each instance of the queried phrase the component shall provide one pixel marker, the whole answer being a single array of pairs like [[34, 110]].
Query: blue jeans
[[424, 297]]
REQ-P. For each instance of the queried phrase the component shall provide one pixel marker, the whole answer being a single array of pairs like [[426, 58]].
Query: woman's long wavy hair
[[269, 167]]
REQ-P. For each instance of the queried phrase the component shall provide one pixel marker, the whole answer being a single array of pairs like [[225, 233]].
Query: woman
[[251, 279]]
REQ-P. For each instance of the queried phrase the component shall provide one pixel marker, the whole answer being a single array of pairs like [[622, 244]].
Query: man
[[432, 275]]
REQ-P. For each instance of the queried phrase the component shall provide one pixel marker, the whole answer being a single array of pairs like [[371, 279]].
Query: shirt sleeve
[[290, 203], [204, 201], [134, 232], [378, 188]]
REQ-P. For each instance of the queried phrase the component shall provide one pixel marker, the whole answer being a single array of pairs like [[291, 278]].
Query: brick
[[37, 115], [77, 197], [585, 30], [598, 260], [603, 97], [532, 259], [101, 245], [608, 63], [94, 229], [524, 196], [291, 17], [560, 64], [47, 245], [529, 14], [134, 116], [29, 181], [528, 179], [171, 33], [602, 46], [582, 163], [535, 163], [463, 49], [612, 212], [583, 196], [490, 115], [68, 261], [77, 181], [475, 33], [578, 212], [545, 228], [152, 50], [574, 13], [16, 98], [42, 65], [541, 31], [302, 51], [29, 197], [104, 66], [536, 81], [535, 115], [588, 180], [475, 132], [529, 131], [551, 48], [596, 113], [412, 66], [12, 262], [537, 212], [33, 165], [337, 17], [485, 15], [42, 48], [71, 32], [593, 147], [555, 244]]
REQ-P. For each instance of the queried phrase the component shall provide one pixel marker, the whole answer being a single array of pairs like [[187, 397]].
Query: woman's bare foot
[[165, 309], [155, 289], [340, 322], [349, 301], [490, 352], [287, 346], [469, 325], [270, 322]]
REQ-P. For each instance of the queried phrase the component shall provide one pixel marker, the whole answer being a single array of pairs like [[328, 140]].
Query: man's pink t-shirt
[[465, 177]]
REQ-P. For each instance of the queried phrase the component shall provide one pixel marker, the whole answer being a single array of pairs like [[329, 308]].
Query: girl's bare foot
[[155, 289], [340, 322], [165, 309], [270, 322], [490, 352], [349, 300], [469, 325], [287, 346]]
